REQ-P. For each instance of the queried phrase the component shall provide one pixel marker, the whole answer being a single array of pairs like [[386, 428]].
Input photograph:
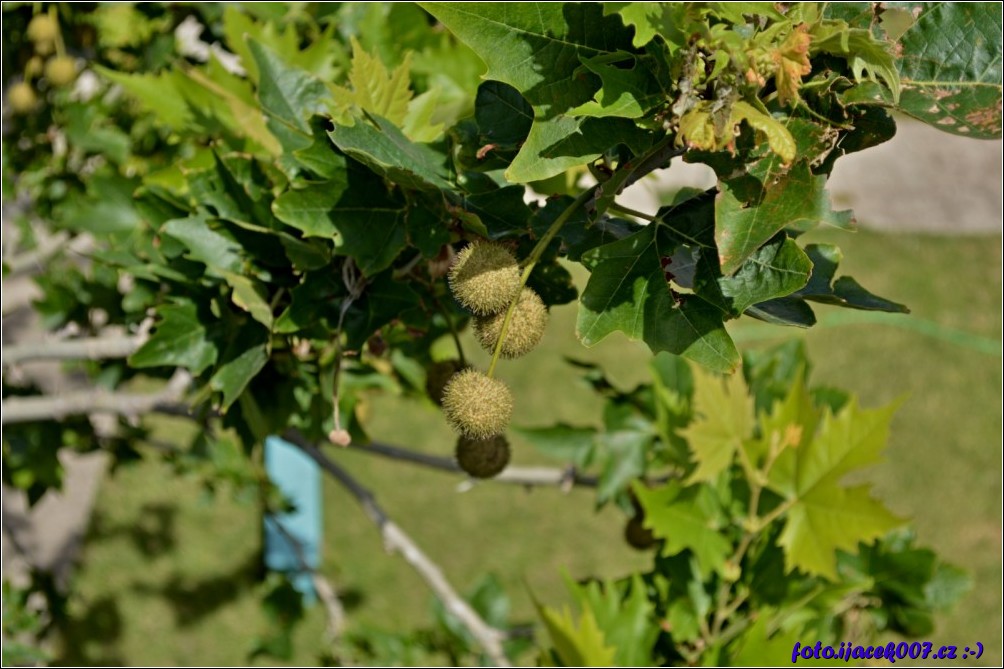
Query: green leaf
[[627, 291], [845, 291], [566, 443], [824, 516], [250, 295], [180, 339], [307, 207], [383, 300], [289, 97], [776, 269], [758, 647], [624, 456], [218, 251], [545, 44], [157, 93], [577, 645], [241, 361], [652, 18], [723, 420], [751, 209], [626, 92], [951, 67], [624, 614], [688, 519], [380, 145]]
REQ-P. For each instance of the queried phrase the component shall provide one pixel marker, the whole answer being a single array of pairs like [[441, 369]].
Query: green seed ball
[[61, 70], [22, 98], [526, 327], [483, 458], [476, 405], [637, 535], [42, 28], [485, 278], [437, 376]]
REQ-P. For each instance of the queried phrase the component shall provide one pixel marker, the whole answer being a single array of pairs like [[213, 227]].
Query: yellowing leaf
[[780, 139], [724, 419], [792, 59]]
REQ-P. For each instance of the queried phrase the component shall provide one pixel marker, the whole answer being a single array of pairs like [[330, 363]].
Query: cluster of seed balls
[[485, 279], [59, 70]]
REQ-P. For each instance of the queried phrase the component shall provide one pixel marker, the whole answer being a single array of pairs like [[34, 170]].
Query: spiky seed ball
[[483, 458], [484, 278], [529, 320], [42, 29], [637, 535], [22, 98], [61, 70], [437, 376], [476, 405]]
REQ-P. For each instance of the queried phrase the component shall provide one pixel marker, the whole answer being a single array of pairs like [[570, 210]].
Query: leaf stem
[[631, 212], [531, 262]]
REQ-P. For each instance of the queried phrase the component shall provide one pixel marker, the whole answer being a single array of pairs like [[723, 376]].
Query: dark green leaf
[[562, 442], [181, 338]]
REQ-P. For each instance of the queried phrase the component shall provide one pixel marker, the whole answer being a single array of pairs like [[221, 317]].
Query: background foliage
[[282, 189]]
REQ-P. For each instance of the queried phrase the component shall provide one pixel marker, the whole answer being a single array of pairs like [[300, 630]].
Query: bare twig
[[85, 348], [94, 401], [396, 540]]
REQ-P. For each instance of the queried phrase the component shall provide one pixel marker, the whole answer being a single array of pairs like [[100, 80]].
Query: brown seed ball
[[637, 535], [483, 458], [476, 405], [42, 29], [61, 70], [485, 278], [529, 320], [437, 376], [22, 98]]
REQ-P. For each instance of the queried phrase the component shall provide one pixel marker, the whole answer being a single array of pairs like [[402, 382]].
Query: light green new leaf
[[626, 618], [627, 291], [724, 419], [688, 519], [652, 18], [778, 136], [374, 88], [180, 339], [157, 93], [577, 645], [824, 516]]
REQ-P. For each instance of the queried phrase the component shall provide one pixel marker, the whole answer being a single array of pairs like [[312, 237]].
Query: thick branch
[[396, 540], [94, 401], [85, 348]]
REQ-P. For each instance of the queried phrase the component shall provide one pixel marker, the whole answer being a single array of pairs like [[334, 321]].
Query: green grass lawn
[[168, 575]]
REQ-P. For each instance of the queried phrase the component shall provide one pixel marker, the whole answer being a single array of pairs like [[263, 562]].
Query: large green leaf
[[751, 209], [688, 519], [776, 269], [215, 248], [243, 358], [380, 145], [951, 67], [289, 97], [181, 338], [546, 44], [628, 291], [825, 516]]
